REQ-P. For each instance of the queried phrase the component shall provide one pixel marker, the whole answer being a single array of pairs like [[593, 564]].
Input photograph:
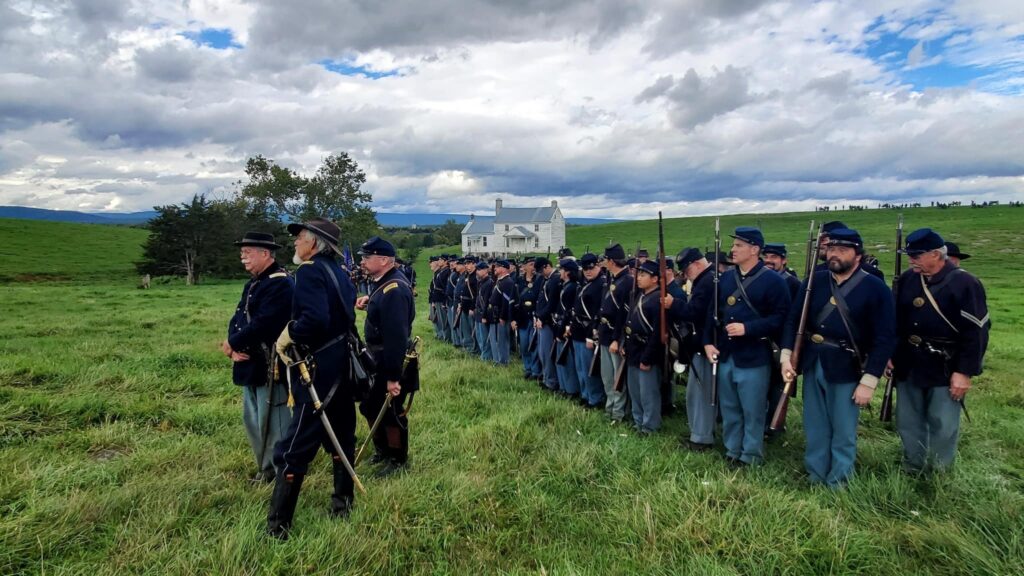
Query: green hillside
[[33, 250]]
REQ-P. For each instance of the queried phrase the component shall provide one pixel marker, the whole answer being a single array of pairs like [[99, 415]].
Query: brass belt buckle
[[817, 338], [915, 340]]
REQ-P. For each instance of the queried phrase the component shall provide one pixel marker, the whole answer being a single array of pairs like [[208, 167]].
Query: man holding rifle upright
[[753, 303], [849, 334], [614, 308]]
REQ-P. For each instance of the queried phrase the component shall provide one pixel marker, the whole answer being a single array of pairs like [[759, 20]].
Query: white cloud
[[614, 109]]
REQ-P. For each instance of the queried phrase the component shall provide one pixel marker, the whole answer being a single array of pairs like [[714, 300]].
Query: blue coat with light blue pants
[[832, 369], [744, 361]]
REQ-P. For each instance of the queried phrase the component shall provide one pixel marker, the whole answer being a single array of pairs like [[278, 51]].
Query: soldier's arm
[[973, 323], [792, 323], [883, 344], [395, 321], [269, 318], [774, 316]]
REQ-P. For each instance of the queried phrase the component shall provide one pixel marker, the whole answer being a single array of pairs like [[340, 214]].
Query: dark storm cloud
[[693, 100]]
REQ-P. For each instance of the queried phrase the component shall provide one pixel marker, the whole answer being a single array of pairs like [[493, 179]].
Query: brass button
[[918, 302], [731, 300], [915, 339], [817, 338]]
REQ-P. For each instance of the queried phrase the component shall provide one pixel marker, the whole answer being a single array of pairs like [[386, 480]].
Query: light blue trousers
[[591, 387], [928, 421], [264, 406], [545, 341], [498, 333], [567, 378], [615, 405], [830, 425], [645, 397], [743, 397], [484, 341], [700, 414]]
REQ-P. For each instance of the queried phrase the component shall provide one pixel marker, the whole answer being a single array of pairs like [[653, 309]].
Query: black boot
[[398, 450], [282, 504], [341, 500]]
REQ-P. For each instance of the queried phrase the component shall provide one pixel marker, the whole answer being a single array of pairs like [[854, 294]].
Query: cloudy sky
[[616, 108]]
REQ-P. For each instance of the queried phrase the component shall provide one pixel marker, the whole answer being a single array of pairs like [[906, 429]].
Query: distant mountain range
[[385, 218]]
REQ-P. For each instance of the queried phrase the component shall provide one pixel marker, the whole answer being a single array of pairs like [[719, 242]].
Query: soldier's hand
[[614, 347], [513, 325], [735, 329], [283, 342], [394, 388], [667, 301], [959, 384], [361, 302], [590, 344], [711, 352], [862, 395], [788, 374], [239, 356], [538, 324], [226, 348], [645, 367], [888, 369]]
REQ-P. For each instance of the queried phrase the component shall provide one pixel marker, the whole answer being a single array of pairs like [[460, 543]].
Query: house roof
[[519, 232], [479, 225], [525, 215]]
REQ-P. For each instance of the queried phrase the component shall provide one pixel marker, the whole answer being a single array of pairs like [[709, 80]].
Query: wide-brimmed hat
[[258, 240], [953, 250], [322, 227]]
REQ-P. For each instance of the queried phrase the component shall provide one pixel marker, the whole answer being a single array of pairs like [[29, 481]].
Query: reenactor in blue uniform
[[850, 334], [690, 315], [529, 291], [501, 308], [545, 322], [568, 381], [436, 296], [390, 310], [451, 281], [644, 351], [406, 268], [775, 258], [585, 318], [614, 308], [753, 303], [485, 285], [260, 316], [322, 316], [942, 326], [465, 299]]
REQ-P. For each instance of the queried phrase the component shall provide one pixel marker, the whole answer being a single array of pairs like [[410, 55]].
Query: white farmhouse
[[515, 231]]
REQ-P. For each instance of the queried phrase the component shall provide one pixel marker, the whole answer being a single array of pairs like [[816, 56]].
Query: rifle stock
[[885, 414], [779, 418], [714, 338]]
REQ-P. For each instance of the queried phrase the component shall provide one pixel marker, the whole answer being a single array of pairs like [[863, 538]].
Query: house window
[[485, 240], [536, 242], [506, 227], [536, 227], [506, 242]]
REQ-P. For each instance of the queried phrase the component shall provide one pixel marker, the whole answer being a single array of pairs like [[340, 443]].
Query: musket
[[885, 414], [779, 418], [662, 289], [714, 318], [307, 381], [458, 317]]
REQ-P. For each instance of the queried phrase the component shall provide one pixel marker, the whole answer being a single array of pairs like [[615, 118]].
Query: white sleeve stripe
[[980, 323]]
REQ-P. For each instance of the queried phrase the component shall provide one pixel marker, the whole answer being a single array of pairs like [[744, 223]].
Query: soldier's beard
[[838, 266], [296, 259]]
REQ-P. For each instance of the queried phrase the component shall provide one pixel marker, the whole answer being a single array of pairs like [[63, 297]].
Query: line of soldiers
[[589, 330], [302, 366]]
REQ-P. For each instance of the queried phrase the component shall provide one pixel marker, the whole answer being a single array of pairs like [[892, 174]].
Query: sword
[[307, 381], [373, 429]]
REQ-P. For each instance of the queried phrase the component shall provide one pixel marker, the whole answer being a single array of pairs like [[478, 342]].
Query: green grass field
[[122, 452]]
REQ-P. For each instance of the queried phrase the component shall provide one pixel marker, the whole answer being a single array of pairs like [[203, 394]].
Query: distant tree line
[[195, 239]]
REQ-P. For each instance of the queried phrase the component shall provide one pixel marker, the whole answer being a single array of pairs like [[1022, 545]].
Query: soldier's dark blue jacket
[[769, 296], [389, 315], [615, 307], [693, 311], [503, 300], [437, 286], [793, 283], [643, 332], [259, 318], [586, 310], [961, 297], [871, 318], [449, 288], [529, 293], [483, 299], [549, 294], [320, 319], [463, 297], [563, 311]]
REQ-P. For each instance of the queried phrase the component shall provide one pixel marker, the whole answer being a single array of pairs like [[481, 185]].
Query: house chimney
[[497, 206], [554, 203]]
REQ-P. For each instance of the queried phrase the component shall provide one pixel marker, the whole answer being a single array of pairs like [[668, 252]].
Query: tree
[[449, 233], [335, 192]]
